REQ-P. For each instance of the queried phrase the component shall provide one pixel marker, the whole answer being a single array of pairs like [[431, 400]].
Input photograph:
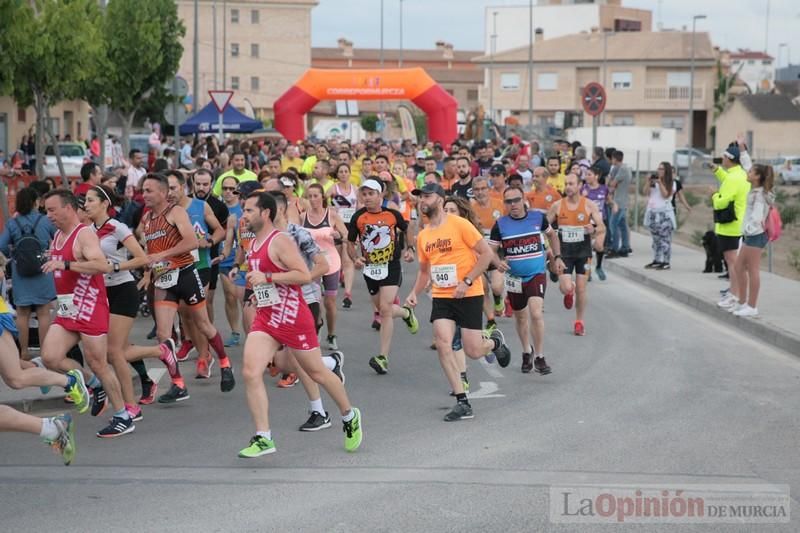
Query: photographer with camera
[[659, 216]]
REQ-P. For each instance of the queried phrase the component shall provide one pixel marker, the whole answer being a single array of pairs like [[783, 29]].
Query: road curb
[[774, 335], [37, 405]]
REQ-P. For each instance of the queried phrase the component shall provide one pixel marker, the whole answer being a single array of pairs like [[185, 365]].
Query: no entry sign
[[594, 98]]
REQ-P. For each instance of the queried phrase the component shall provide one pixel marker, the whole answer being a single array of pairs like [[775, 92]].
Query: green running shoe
[[411, 321], [64, 444], [380, 364], [78, 392], [353, 434], [499, 305], [258, 446]]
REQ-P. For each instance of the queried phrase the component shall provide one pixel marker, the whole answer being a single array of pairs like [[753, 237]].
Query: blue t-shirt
[[197, 215], [237, 212], [520, 241]]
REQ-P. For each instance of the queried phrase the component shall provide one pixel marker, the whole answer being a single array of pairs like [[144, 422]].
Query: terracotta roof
[[771, 107], [451, 75], [749, 54], [392, 55], [623, 46]]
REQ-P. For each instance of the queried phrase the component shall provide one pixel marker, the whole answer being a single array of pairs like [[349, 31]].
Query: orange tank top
[[161, 235]]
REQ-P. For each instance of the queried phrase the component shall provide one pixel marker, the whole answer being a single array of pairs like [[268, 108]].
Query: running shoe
[[654, 264], [204, 365], [663, 266], [601, 273], [491, 325], [746, 311], [347, 302], [38, 362], [153, 334], [64, 443], [502, 352], [380, 364], [499, 304], [461, 411], [168, 357], [729, 300], [183, 353], [376, 322], [338, 357], [227, 382], [99, 401], [411, 321], [316, 422], [541, 366], [233, 340], [332, 342], [579, 329], [149, 390], [174, 394], [527, 362], [77, 391], [353, 432], [116, 428], [273, 370], [569, 299], [288, 380], [258, 446]]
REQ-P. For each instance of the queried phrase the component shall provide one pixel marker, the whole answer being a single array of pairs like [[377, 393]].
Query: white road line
[[491, 369], [487, 390]]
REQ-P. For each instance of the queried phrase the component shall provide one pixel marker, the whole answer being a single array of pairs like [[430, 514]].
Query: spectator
[[30, 291], [620, 244], [659, 216], [91, 174], [600, 162], [523, 169]]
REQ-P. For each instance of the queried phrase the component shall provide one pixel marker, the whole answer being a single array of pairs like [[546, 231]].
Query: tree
[[54, 47], [370, 123], [722, 95]]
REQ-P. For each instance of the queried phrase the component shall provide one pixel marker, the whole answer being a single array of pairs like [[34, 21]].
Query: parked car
[[681, 158], [139, 141], [73, 157], [787, 169]]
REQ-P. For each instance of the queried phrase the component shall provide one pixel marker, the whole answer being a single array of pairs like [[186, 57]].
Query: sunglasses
[[510, 201], [228, 188]]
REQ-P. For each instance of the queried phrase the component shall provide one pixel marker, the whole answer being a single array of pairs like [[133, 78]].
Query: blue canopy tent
[[207, 121]]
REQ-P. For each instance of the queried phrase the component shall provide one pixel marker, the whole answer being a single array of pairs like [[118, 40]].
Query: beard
[[200, 195], [429, 210], [464, 175], [254, 226]]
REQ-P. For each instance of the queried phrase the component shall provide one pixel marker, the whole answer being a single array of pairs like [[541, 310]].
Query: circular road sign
[[594, 98]]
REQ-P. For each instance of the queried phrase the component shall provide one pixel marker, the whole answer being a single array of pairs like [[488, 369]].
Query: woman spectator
[[748, 262], [31, 292], [659, 216]]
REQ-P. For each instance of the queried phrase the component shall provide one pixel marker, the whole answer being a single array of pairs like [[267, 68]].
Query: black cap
[[430, 188], [497, 170], [247, 188]]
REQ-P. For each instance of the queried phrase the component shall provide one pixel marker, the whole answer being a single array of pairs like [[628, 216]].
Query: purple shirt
[[597, 196]]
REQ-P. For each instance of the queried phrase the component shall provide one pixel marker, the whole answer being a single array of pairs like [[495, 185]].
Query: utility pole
[[400, 59], [530, 65], [691, 97], [224, 44], [491, 66], [195, 63], [380, 102], [214, 20]]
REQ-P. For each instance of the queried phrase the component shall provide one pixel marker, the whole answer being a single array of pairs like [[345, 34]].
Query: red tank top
[[89, 303], [160, 235]]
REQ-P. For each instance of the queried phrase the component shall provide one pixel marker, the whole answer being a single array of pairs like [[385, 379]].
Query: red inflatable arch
[[389, 84]]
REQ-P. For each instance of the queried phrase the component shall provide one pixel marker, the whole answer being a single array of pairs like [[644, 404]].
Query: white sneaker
[[727, 301], [735, 307], [746, 311]]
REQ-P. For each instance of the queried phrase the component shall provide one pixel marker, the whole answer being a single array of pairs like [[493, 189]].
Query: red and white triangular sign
[[221, 99]]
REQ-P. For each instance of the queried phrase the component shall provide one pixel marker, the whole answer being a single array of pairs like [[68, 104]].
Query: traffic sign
[[169, 114], [221, 99], [177, 86], [593, 98]]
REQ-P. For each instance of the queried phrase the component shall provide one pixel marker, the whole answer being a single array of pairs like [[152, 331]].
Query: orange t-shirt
[[541, 201], [488, 214], [448, 249], [447, 184]]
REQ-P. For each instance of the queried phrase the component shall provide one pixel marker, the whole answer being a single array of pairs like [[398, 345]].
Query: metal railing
[[671, 93]]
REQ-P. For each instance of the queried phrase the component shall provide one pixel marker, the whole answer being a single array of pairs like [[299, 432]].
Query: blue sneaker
[[233, 340], [600, 273], [38, 362]]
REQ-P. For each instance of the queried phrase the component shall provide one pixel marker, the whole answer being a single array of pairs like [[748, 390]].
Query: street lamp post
[[195, 62], [530, 66], [380, 102], [691, 97], [491, 66], [788, 55], [400, 57]]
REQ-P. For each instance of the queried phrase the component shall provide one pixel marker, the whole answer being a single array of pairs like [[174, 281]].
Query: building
[[755, 69], [788, 73], [262, 47], [557, 18], [68, 118], [770, 123], [646, 76]]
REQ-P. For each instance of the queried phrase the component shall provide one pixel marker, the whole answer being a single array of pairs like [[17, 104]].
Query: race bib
[[66, 306], [572, 234], [347, 213], [444, 276], [513, 284], [266, 295], [168, 280], [196, 255], [376, 271]]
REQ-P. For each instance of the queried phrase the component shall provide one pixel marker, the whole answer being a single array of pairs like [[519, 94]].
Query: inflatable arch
[[387, 84]]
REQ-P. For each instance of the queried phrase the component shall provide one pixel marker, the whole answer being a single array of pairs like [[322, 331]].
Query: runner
[[497, 177], [519, 236], [344, 198], [381, 234], [488, 209], [227, 257], [170, 240], [326, 227], [453, 254], [598, 194], [276, 272], [577, 221], [78, 263]]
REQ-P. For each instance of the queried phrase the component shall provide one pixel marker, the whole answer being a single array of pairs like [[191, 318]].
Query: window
[[21, 115], [235, 83], [621, 80], [472, 94], [622, 120], [678, 79], [766, 62], [234, 49], [750, 62], [675, 122], [254, 83], [254, 16], [254, 50], [509, 82], [547, 81], [234, 16]]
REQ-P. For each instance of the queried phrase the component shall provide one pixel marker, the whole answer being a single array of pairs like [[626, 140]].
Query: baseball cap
[[497, 170], [247, 188], [287, 181], [375, 185], [430, 188], [421, 154], [732, 153]]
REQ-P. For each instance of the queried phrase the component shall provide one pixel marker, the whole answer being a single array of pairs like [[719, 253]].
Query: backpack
[[773, 224], [28, 250]]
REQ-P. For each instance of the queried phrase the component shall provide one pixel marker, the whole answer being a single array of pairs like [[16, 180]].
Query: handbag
[[726, 214]]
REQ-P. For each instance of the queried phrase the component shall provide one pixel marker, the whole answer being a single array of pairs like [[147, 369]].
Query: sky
[[732, 23]]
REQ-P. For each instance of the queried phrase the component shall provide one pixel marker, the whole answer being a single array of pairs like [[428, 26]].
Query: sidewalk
[[778, 322]]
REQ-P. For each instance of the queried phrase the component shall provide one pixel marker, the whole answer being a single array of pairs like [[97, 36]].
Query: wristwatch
[[66, 265], [467, 281], [116, 267]]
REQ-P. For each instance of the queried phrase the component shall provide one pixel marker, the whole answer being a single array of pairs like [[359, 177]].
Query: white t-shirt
[[112, 234], [656, 201]]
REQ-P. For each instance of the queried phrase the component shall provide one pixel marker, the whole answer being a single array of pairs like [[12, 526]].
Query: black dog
[[714, 258]]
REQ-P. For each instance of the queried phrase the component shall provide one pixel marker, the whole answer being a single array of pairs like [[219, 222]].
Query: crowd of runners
[[282, 229]]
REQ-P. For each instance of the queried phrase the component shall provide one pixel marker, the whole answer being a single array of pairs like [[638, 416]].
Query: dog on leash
[[714, 260]]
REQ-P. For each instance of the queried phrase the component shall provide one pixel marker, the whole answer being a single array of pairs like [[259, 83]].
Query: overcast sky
[[732, 23]]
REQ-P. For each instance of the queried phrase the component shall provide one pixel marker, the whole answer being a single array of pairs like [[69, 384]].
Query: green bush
[[794, 259], [691, 198], [370, 123], [781, 196], [789, 213]]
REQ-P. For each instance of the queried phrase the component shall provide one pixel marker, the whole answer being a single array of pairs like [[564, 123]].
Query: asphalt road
[[654, 394]]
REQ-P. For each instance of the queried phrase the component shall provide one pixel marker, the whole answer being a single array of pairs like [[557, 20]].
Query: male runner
[[577, 220], [170, 239], [228, 256], [519, 236], [282, 318], [202, 191], [488, 209], [381, 233], [453, 254]]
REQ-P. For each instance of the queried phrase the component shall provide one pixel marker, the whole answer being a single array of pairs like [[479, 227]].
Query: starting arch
[[386, 84]]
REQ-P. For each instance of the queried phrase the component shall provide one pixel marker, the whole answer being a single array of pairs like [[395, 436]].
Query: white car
[[681, 158], [73, 157], [787, 169]]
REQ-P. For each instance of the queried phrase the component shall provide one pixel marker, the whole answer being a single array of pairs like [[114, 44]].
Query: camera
[[717, 160]]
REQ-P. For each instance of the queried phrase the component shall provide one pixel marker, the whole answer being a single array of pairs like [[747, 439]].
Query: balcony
[[671, 94]]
